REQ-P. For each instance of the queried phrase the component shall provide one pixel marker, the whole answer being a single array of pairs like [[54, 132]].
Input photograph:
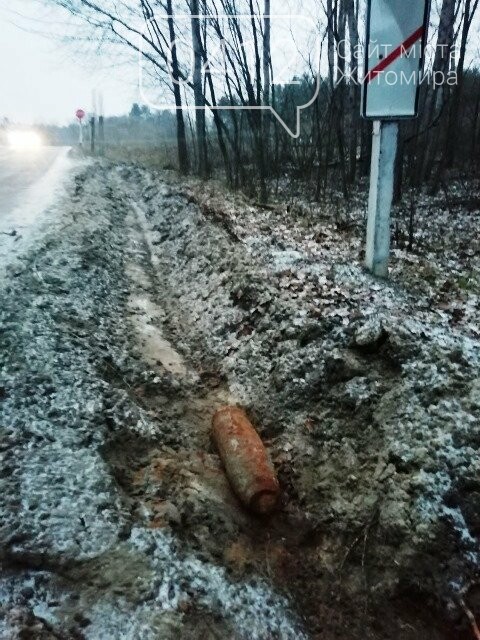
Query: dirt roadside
[[125, 327]]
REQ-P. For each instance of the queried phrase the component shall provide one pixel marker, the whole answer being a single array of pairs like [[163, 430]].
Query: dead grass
[[151, 157]]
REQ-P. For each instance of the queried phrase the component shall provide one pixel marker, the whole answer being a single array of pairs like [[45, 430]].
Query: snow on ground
[[367, 388], [81, 554], [144, 305]]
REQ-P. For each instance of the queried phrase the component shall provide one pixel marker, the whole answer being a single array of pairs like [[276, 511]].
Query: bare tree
[[436, 95], [198, 90], [451, 138]]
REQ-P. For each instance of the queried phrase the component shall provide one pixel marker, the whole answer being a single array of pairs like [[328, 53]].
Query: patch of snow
[[33, 209], [255, 610]]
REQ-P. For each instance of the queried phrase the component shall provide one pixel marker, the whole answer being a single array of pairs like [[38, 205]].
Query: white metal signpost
[[395, 40]]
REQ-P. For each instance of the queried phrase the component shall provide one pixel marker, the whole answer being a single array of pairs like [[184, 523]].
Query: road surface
[[29, 179]]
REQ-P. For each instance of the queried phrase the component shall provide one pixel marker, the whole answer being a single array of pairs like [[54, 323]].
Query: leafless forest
[[223, 57]]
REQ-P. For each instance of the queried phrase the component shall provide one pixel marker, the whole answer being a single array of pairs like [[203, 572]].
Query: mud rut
[[287, 549], [171, 479], [153, 476]]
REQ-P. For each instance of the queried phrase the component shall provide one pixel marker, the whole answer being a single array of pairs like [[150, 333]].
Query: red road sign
[[401, 50], [80, 113]]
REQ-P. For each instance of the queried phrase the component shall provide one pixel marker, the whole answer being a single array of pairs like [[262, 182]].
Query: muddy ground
[[148, 303]]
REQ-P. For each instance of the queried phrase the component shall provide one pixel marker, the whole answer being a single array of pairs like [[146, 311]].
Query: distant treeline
[[140, 127]]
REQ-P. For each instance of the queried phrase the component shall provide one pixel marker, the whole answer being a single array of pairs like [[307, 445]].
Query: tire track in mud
[[184, 485], [290, 548], [285, 548], [346, 424], [121, 541]]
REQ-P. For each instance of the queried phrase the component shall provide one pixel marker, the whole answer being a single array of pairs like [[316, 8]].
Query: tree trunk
[[473, 145], [398, 169], [353, 88], [435, 100], [183, 162], [451, 141], [339, 96], [330, 44], [258, 115], [266, 76], [200, 126]]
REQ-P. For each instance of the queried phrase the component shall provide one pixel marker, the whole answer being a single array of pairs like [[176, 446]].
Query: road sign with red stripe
[[394, 51]]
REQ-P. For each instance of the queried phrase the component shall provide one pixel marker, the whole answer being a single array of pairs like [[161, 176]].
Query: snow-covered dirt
[[147, 304]]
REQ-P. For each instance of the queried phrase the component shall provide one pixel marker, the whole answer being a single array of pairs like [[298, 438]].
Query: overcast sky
[[43, 79]]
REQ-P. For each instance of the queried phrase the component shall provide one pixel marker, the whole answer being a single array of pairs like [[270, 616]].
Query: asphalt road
[[20, 170], [31, 180]]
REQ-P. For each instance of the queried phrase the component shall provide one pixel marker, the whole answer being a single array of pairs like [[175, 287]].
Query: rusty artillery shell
[[246, 461]]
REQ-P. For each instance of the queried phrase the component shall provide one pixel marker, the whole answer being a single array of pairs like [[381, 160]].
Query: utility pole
[[92, 123], [101, 132], [92, 134]]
